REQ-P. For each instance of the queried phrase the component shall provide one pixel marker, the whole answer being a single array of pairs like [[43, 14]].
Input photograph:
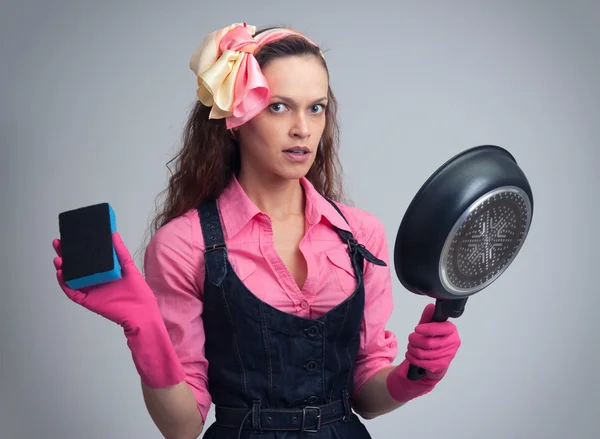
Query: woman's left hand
[[433, 345]]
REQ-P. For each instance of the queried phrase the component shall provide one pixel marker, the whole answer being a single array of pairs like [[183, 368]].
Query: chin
[[293, 174], [297, 172]]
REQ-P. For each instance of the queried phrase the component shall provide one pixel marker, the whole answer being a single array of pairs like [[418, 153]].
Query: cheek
[[263, 127], [319, 126], [262, 142], [255, 132]]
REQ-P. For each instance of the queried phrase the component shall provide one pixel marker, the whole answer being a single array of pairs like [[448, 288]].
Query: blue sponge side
[[94, 279], [106, 276], [113, 227]]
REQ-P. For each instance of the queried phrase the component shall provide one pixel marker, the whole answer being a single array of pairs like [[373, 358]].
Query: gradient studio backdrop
[[93, 97]]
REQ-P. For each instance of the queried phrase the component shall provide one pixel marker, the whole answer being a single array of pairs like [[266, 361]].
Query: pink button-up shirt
[[174, 269]]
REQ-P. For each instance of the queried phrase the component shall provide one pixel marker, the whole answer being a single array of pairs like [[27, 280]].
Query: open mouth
[[297, 151]]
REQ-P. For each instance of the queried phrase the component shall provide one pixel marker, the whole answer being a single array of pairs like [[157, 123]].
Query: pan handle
[[444, 309]]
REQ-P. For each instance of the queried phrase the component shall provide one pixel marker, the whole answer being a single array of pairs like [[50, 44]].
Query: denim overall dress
[[273, 375]]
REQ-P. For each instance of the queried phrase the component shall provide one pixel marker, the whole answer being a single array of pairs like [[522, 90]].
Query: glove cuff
[[154, 355], [402, 389]]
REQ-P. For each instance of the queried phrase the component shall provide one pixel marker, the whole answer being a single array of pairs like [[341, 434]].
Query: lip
[[298, 148], [295, 157]]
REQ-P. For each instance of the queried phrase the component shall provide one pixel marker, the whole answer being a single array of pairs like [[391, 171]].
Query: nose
[[300, 127]]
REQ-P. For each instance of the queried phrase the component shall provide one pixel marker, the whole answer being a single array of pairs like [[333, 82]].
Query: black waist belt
[[309, 418]]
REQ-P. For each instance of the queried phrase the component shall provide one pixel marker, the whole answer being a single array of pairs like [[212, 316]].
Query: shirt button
[[312, 400], [304, 304]]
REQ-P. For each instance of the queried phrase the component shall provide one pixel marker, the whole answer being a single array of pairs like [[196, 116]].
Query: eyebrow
[[288, 100]]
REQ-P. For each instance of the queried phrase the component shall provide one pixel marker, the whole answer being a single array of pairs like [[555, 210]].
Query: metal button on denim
[[310, 366], [312, 331]]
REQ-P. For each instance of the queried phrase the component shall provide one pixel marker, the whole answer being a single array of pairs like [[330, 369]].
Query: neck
[[279, 198]]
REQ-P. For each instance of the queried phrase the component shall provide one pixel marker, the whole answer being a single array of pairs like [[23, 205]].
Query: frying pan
[[463, 229]]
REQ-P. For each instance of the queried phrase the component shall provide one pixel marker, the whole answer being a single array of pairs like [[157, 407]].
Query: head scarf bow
[[229, 77]]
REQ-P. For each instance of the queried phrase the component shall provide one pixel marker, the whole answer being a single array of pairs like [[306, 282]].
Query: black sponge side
[[86, 241]]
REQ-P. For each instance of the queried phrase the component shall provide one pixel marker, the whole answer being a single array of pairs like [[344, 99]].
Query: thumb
[[427, 315], [122, 251]]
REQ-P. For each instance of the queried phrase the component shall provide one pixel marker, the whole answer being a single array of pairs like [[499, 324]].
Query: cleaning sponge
[[89, 257]]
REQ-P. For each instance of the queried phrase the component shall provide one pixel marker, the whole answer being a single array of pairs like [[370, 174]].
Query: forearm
[[373, 399], [174, 411]]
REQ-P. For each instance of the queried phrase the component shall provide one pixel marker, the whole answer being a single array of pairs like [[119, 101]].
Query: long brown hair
[[210, 157]]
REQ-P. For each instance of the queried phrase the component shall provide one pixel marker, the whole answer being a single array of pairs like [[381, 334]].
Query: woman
[[264, 294]]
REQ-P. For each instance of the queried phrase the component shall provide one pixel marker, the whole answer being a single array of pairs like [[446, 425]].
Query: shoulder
[[365, 225], [173, 263], [177, 241]]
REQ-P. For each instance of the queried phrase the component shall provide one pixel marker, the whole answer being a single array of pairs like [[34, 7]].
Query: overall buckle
[[214, 247], [317, 416]]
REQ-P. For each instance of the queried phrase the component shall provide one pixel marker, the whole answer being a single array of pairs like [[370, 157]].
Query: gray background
[[93, 96]]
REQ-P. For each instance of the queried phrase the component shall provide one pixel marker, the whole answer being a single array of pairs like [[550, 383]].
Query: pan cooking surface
[[485, 240]]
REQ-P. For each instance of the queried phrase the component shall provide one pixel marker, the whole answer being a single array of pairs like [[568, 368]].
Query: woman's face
[[281, 142]]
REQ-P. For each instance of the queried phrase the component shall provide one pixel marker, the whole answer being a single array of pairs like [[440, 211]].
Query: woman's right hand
[[130, 302], [126, 301]]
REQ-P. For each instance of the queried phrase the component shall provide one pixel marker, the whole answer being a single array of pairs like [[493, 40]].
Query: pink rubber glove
[[432, 346], [130, 303]]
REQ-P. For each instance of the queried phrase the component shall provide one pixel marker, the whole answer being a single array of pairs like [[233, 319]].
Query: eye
[[277, 107], [318, 108]]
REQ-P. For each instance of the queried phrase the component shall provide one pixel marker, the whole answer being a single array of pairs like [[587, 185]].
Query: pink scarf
[[229, 77]]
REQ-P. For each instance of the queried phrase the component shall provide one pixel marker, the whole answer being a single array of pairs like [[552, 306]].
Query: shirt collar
[[237, 209], [317, 207]]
